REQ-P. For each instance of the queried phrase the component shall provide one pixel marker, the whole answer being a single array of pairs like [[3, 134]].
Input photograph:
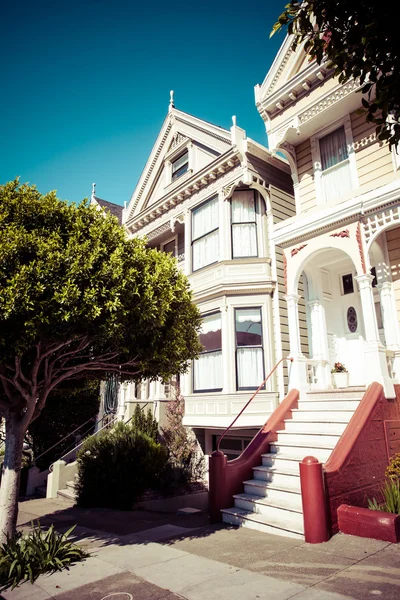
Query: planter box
[[364, 522], [341, 380]]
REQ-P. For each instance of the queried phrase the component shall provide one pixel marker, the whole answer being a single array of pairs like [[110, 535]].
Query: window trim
[[316, 157], [203, 391], [192, 241], [173, 179], [168, 241], [342, 286], [260, 308], [256, 223]]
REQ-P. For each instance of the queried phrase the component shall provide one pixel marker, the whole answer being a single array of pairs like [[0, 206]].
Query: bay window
[[207, 369], [335, 164], [249, 348], [244, 226], [205, 234]]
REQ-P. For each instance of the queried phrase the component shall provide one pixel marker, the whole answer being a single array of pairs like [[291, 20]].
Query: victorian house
[[210, 197], [342, 247]]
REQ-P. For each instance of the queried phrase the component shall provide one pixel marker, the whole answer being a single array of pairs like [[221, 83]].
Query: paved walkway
[[152, 556]]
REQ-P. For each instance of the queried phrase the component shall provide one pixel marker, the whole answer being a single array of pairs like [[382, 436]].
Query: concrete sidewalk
[[189, 559]]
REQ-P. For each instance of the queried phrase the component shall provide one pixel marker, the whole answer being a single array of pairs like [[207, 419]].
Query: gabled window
[[180, 165], [207, 369], [205, 234], [244, 227], [249, 348]]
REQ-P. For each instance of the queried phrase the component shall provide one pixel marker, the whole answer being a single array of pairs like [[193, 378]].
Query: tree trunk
[[9, 490]]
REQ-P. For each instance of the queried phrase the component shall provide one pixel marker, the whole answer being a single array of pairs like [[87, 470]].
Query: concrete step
[[323, 427], [284, 511], [287, 479], [239, 516], [312, 439], [322, 451], [273, 491], [67, 493], [342, 393], [328, 405], [322, 416], [281, 461]]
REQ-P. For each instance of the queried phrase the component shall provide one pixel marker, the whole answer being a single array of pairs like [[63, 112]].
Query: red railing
[[251, 399]]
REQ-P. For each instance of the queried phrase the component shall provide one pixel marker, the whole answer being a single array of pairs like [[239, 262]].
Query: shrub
[[117, 466], [145, 422], [26, 556], [393, 469], [391, 495], [185, 459]]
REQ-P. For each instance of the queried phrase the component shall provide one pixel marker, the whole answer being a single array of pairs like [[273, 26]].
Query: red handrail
[[253, 396]]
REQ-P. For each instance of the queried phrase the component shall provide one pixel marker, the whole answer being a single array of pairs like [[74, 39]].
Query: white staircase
[[271, 501]]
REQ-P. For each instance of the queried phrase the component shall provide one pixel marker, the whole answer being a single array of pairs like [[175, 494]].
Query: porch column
[[298, 368], [319, 339], [376, 368], [228, 370], [121, 401], [130, 402], [390, 324]]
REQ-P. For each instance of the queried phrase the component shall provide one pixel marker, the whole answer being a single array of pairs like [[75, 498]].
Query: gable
[[181, 133]]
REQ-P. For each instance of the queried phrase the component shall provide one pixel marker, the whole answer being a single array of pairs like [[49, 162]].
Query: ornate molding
[[162, 229], [177, 140], [279, 72], [285, 271], [295, 251], [345, 233], [375, 224], [360, 247], [328, 101]]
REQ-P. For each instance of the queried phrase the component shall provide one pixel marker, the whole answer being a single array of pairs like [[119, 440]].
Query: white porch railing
[[317, 373]]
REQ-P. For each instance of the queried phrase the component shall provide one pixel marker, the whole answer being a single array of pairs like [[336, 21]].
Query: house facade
[[210, 197], [343, 244]]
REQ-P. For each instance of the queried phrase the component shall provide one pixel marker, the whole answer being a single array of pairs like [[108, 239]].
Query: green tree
[[78, 299], [360, 40]]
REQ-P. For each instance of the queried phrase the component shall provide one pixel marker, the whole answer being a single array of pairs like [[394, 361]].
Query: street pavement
[[185, 557]]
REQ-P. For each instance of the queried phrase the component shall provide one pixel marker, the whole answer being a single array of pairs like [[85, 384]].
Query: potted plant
[[340, 375]]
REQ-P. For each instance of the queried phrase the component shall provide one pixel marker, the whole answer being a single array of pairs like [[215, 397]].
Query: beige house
[[343, 245]]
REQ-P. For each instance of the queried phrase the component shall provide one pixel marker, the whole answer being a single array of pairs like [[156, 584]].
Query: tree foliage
[[79, 299], [359, 39]]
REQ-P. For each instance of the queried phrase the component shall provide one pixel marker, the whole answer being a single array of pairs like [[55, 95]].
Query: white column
[[224, 228], [375, 363], [390, 323], [188, 242], [319, 338], [298, 368], [121, 401], [228, 369]]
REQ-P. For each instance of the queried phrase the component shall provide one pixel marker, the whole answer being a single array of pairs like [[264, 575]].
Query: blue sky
[[85, 83]]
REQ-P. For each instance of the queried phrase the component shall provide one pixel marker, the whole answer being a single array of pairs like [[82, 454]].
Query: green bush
[[117, 466], [391, 496], [145, 422], [26, 556]]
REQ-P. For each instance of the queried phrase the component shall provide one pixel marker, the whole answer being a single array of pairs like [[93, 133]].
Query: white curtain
[[205, 218], [206, 249], [244, 234], [208, 373], [250, 370], [336, 181]]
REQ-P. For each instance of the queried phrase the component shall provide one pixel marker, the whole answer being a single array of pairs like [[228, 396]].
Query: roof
[[115, 209]]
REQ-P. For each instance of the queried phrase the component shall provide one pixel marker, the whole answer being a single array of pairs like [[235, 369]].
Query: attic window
[[180, 165]]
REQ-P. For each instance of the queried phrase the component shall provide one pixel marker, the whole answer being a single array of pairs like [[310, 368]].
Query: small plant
[[26, 556], [393, 469], [339, 368], [145, 422], [391, 495]]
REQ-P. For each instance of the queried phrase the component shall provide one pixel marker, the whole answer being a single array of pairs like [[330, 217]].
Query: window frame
[[168, 241], [203, 391], [175, 177], [245, 223], [316, 158], [343, 293], [260, 308], [193, 241]]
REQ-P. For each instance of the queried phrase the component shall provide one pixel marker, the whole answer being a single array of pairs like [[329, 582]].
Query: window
[[244, 228], [335, 164], [207, 369], [347, 282], [169, 247], [231, 446], [205, 234], [180, 166], [249, 350]]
